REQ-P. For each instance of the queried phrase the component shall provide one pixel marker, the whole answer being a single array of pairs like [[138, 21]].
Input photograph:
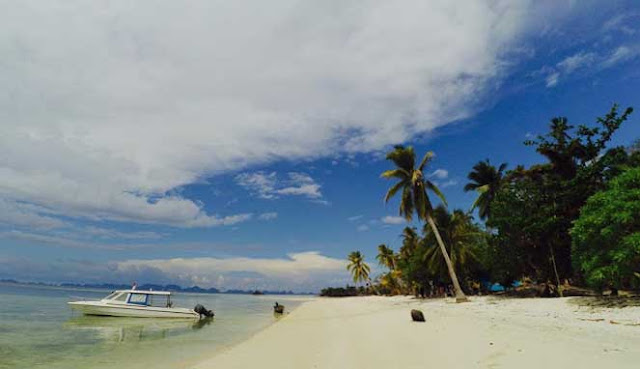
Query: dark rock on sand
[[417, 315]]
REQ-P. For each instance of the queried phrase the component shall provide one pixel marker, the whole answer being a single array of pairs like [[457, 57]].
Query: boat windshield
[[111, 295], [117, 296]]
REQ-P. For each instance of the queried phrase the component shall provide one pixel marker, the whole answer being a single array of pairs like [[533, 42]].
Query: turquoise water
[[39, 330]]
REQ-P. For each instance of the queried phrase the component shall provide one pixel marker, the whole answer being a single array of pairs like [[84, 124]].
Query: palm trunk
[[375, 290], [460, 296]]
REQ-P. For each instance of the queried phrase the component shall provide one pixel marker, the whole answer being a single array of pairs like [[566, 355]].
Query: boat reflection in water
[[112, 329]]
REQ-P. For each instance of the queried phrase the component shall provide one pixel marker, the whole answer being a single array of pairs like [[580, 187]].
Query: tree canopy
[[606, 236]]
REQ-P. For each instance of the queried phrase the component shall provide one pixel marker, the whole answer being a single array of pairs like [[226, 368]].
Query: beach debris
[[417, 315], [278, 309], [204, 313]]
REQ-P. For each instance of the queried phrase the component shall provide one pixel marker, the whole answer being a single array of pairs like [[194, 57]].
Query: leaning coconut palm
[[460, 234], [358, 268], [486, 180], [413, 185], [386, 257]]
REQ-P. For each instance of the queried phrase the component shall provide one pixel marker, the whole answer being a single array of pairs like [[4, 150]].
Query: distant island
[[155, 287]]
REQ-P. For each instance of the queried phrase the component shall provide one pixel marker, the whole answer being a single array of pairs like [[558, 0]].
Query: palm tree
[[410, 241], [358, 268], [413, 185], [459, 233], [486, 180], [386, 257], [391, 282]]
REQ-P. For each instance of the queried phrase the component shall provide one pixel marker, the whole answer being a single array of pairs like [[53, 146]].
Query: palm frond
[[396, 173], [394, 189], [433, 188], [403, 157], [427, 157]]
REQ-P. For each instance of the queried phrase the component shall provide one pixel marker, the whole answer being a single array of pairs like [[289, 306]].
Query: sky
[[240, 144]]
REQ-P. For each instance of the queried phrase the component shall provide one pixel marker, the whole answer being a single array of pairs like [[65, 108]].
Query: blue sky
[[190, 150]]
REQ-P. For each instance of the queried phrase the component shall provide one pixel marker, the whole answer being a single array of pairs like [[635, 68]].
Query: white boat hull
[[130, 310]]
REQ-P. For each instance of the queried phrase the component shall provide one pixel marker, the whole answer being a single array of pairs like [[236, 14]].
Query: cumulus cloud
[[107, 108], [393, 220], [306, 270], [269, 186]]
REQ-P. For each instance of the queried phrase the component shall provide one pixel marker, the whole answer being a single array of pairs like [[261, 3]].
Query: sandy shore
[[377, 332]]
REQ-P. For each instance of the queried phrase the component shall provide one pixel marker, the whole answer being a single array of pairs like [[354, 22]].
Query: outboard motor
[[204, 313]]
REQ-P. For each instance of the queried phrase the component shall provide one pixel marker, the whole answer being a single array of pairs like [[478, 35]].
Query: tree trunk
[[375, 290], [555, 270], [460, 296]]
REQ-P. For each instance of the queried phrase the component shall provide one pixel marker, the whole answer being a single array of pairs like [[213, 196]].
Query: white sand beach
[[377, 332]]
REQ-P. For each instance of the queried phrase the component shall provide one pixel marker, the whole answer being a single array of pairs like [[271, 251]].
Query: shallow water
[[39, 330]]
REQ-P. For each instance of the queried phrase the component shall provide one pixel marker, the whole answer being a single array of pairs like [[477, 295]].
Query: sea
[[39, 330]]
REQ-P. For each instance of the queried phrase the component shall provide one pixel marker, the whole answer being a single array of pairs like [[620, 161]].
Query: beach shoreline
[[488, 332]]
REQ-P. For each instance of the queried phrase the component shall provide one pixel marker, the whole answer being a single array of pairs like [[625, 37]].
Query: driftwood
[[417, 315]]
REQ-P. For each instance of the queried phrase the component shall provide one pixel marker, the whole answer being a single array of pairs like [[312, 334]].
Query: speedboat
[[138, 304]]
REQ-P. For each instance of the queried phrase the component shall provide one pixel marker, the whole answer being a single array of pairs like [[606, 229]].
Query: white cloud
[[106, 233], [362, 228], [27, 215], [393, 220], [552, 79], [620, 23], [449, 183], [262, 184], [354, 218], [574, 62], [107, 108], [269, 186], [588, 62], [440, 173], [301, 184], [268, 216], [621, 54], [305, 270]]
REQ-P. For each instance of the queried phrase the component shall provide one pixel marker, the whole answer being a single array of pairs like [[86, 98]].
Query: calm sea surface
[[39, 330]]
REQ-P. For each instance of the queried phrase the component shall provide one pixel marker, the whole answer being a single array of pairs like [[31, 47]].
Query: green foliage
[[485, 179], [525, 218], [463, 239], [342, 291], [358, 268], [534, 208], [606, 236], [386, 257], [414, 186], [411, 183]]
